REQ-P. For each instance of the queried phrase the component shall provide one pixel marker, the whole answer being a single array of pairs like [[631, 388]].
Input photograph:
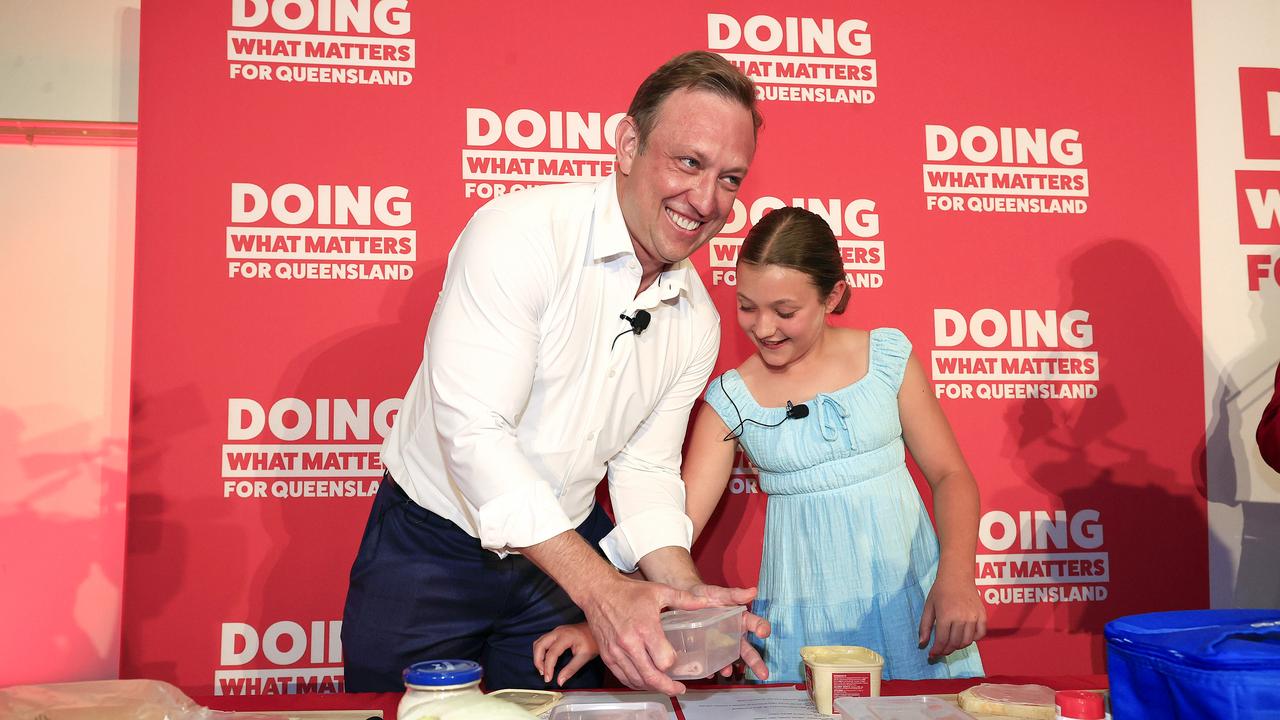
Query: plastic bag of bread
[[107, 700], [1015, 701]]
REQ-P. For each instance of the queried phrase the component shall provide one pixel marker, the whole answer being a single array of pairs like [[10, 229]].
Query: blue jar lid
[[435, 673]]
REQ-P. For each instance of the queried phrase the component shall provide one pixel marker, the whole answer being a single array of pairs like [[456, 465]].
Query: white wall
[[66, 283], [66, 286], [1241, 327], [69, 59]]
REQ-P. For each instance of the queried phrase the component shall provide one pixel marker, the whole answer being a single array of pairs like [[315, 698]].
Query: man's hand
[[623, 616], [955, 613], [623, 613], [753, 624]]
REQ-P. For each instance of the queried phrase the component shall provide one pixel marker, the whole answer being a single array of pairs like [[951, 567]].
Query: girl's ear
[[837, 298]]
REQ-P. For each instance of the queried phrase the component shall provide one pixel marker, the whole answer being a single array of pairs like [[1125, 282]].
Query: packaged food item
[[432, 680], [534, 702], [107, 700], [837, 671], [1079, 705], [705, 640], [1019, 701], [913, 707], [609, 711]]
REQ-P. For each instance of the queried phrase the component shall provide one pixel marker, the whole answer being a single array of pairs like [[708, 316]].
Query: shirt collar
[[673, 281], [610, 239]]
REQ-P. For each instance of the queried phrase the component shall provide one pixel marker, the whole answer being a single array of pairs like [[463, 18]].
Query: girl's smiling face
[[781, 310]]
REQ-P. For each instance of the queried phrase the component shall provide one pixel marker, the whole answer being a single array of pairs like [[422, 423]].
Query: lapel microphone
[[795, 412], [638, 324]]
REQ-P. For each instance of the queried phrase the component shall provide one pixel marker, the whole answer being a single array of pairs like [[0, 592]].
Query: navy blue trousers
[[423, 589]]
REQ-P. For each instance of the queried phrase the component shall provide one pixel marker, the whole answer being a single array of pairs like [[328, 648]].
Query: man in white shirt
[[570, 340]]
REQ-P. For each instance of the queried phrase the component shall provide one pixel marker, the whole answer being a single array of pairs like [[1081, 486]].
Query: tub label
[[854, 684]]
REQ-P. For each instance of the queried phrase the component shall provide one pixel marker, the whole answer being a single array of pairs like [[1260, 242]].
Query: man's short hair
[[694, 70]]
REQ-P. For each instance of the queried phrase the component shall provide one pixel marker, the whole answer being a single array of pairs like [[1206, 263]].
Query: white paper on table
[[766, 703], [622, 696]]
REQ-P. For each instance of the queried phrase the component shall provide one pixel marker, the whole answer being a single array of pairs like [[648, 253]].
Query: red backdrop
[[1015, 187]]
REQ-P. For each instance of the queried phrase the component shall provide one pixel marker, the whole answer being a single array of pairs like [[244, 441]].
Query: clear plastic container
[[705, 640], [914, 707], [838, 671], [431, 680], [609, 711]]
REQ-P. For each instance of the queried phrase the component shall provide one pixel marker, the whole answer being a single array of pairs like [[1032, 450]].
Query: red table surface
[[387, 702]]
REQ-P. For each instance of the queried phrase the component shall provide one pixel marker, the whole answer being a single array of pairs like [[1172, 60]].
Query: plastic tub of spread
[[838, 671], [609, 711], [705, 640], [914, 707]]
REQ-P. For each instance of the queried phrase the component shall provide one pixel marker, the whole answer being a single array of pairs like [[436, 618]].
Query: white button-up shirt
[[524, 400]]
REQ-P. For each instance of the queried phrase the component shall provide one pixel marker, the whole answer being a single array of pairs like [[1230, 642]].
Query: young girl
[[850, 557]]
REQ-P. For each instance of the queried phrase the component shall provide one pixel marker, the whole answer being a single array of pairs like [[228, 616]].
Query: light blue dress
[[849, 552]]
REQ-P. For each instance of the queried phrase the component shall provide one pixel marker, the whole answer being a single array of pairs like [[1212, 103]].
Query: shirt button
[[591, 437], [612, 373], [633, 265]]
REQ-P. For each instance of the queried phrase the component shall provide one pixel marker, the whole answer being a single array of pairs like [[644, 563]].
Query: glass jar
[[431, 680]]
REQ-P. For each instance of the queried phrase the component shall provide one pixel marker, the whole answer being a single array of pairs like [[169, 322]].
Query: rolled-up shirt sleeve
[[644, 477], [482, 346]]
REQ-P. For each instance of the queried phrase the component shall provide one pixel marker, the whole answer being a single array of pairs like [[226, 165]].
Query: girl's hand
[[548, 649], [955, 613], [753, 624]]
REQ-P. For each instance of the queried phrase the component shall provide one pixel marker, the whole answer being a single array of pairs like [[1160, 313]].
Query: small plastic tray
[[911, 707], [609, 711], [705, 640], [534, 702]]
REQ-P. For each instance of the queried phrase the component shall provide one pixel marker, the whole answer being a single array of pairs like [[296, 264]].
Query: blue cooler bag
[[1195, 664]]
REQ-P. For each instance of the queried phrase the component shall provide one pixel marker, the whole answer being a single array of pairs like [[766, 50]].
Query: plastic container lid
[[440, 673], [695, 619], [609, 711], [911, 707], [1079, 705]]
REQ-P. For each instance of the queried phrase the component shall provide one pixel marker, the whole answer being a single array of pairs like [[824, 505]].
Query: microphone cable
[[794, 412]]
